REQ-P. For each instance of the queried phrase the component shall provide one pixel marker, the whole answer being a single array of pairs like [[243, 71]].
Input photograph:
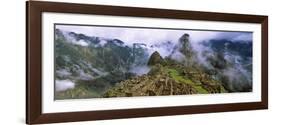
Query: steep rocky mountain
[[169, 77], [230, 62], [92, 63], [98, 67], [154, 59], [167, 80]]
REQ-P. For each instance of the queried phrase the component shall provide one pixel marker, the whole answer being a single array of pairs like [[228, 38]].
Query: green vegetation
[[79, 91], [175, 75], [166, 80], [107, 69], [200, 89]]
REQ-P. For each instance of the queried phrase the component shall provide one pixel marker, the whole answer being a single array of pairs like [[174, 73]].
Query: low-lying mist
[[62, 85], [230, 57], [226, 56]]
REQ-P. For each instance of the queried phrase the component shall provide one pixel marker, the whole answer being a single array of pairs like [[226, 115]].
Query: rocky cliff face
[[154, 59], [185, 46], [94, 64], [102, 67], [169, 77]]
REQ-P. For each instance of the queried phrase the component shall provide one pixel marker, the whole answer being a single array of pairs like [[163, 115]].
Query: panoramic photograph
[[112, 61]]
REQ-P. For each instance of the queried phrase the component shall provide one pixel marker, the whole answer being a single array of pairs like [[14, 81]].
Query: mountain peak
[[185, 42], [185, 35], [185, 45], [155, 58]]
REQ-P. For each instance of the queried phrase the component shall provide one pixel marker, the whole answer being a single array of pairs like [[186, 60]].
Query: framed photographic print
[[93, 62]]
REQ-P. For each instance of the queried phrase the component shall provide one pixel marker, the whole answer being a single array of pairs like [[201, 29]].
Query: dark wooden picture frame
[[34, 10]]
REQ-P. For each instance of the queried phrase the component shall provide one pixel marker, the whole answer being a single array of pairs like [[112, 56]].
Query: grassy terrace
[[176, 76]]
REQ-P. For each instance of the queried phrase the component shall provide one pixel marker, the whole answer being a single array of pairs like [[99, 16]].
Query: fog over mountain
[[153, 36], [101, 57]]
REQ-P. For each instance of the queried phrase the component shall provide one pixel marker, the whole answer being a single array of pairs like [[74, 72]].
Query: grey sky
[[152, 36]]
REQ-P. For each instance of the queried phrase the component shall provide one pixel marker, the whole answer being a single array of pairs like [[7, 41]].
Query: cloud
[[63, 73], [140, 70], [150, 36], [243, 37], [62, 85], [81, 43], [72, 40], [158, 38]]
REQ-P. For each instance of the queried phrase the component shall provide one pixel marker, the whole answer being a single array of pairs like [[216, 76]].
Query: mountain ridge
[[102, 67]]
